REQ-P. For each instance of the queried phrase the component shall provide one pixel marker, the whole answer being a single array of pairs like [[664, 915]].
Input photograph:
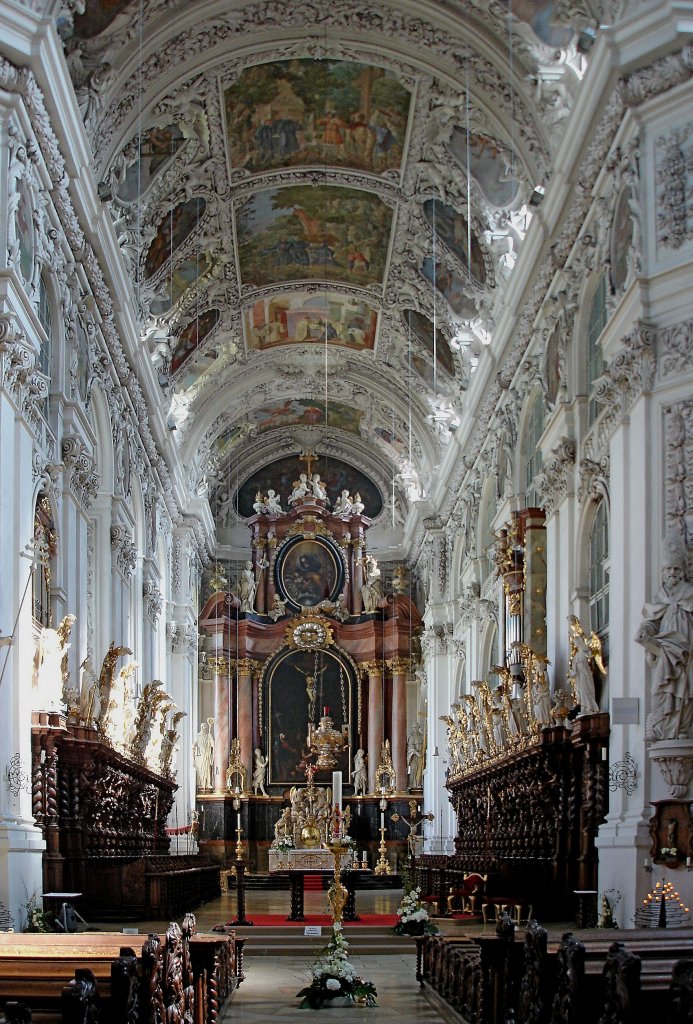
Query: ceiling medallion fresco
[[490, 164], [308, 412], [175, 227], [334, 474], [304, 112], [310, 318], [303, 232], [145, 158], [192, 336]]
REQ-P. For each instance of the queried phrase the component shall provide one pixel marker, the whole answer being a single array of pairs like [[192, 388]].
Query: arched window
[[532, 460], [599, 575], [595, 326], [44, 315]]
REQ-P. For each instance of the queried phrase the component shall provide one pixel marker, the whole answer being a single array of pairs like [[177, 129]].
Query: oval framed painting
[[309, 570]]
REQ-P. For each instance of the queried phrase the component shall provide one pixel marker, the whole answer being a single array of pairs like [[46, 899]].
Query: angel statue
[[585, 654], [259, 772]]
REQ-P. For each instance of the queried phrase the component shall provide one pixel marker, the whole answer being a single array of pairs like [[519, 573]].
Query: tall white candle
[[238, 820], [337, 789], [382, 819]]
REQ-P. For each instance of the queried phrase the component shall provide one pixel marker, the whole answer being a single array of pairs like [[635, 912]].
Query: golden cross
[[309, 458]]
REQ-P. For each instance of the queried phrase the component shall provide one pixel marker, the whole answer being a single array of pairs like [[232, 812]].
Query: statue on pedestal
[[245, 588], [416, 756], [372, 589], [585, 655], [259, 772], [301, 488], [666, 634], [50, 666], [203, 755], [360, 773]]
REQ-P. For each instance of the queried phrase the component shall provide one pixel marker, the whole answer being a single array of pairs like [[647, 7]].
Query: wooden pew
[[35, 968]]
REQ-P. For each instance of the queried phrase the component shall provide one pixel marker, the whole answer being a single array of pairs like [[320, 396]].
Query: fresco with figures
[[421, 328], [184, 275], [310, 318], [302, 232], [454, 290], [176, 226], [452, 228], [147, 157], [335, 475], [192, 336], [491, 165], [307, 412], [303, 112]]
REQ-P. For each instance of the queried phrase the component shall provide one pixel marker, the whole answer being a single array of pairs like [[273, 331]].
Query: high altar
[[305, 642]]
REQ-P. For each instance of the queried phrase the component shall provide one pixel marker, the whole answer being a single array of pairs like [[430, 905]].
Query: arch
[[100, 417], [595, 513], [488, 648]]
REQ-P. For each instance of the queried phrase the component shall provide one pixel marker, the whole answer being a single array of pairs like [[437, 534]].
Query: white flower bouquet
[[332, 976], [413, 917]]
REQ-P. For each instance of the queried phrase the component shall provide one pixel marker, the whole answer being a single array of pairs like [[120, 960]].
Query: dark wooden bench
[[35, 968]]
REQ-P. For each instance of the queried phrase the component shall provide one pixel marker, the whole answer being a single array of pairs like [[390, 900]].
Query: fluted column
[[220, 668], [398, 727], [375, 719]]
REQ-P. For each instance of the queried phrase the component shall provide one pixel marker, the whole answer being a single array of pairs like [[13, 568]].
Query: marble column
[[244, 669], [375, 719], [220, 668], [398, 728]]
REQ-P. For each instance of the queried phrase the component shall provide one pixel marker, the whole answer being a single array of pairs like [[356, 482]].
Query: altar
[[296, 876], [307, 859]]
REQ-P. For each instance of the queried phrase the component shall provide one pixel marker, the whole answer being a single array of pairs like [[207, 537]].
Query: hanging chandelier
[[325, 742]]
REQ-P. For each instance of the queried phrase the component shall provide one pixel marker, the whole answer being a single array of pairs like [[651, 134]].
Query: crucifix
[[413, 825], [309, 458]]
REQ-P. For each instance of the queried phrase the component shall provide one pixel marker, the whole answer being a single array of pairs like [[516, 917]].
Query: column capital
[[219, 666], [373, 668], [399, 666]]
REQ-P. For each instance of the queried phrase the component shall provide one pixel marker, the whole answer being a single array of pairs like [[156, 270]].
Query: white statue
[[317, 487], [360, 777], [259, 771], [357, 505], [585, 653], [372, 589], [203, 755], [300, 489], [245, 588], [50, 666], [415, 756], [666, 634], [540, 690], [273, 503], [343, 505], [224, 507]]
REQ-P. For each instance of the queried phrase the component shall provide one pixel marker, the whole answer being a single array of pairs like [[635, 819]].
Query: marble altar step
[[290, 940]]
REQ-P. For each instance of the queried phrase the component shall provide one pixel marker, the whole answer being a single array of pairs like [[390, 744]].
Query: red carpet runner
[[279, 920]]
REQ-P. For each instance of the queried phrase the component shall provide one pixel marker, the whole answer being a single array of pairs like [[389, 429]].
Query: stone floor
[[269, 990]]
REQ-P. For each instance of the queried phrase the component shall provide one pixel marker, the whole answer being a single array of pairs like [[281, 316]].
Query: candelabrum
[[239, 844], [382, 867], [337, 895]]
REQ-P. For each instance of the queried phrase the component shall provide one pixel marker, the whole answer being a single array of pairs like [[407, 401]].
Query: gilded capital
[[219, 666]]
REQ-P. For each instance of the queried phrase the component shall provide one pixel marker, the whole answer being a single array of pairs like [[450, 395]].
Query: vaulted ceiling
[[321, 206]]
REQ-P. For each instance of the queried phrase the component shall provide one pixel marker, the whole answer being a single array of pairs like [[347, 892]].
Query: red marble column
[[398, 730], [222, 706], [245, 712], [375, 719]]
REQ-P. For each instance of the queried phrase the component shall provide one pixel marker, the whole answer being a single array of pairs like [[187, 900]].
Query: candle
[[238, 820], [646, 862], [382, 819], [337, 790], [688, 862]]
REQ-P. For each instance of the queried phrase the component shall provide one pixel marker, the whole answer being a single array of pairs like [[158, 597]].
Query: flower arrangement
[[412, 916], [333, 977], [283, 843]]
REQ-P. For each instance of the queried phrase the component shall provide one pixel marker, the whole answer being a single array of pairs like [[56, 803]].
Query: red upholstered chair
[[468, 898]]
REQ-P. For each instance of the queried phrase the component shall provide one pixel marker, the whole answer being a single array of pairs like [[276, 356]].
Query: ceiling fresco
[[304, 232], [300, 202], [311, 318], [304, 112]]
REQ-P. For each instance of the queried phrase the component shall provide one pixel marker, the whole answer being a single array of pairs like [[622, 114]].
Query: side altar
[[308, 661]]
